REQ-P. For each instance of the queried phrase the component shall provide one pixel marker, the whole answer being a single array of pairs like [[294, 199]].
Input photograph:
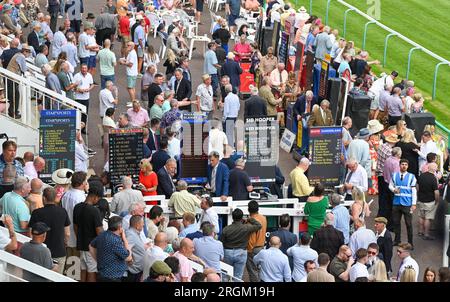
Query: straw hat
[[392, 138], [62, 176], [374, 126]]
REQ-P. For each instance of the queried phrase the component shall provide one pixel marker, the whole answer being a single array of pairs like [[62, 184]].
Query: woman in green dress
[[315, 208]]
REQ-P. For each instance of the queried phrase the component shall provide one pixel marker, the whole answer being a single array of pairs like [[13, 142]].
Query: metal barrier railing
[[443, 131]]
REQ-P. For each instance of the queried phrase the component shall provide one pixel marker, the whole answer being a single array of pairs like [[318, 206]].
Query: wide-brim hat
[[90, 16], [363, 133], [392, 138], [62, 176], [26, 47], [375, 126]]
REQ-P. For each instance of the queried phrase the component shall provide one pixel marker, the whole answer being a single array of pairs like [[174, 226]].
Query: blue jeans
[[236, 258], [62, 7], [104, 79], [214, 83]]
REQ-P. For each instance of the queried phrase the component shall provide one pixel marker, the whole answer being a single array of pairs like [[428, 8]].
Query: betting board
[[125, 153], [325, 149], [57, 134]]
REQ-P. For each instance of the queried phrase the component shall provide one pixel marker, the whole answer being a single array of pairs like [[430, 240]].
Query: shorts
[[87, 263], [84, 61], [427, 210], [231, 19], [140, 52], [199, 5], [75, 26], [92, 62], [131, 81]]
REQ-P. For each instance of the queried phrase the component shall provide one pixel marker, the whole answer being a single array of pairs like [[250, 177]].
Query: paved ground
[[426, 252]]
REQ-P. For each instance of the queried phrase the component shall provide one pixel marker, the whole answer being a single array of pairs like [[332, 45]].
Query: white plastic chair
[[162, 48], [220, 2], [154, 21]]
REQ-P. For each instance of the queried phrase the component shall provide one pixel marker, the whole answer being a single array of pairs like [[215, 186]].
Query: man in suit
[[182, 88], [160, 157], [384, 241], [232, 69], [153, 141], [304, 104], [166, 186], [33, 37], [321, 116], [254, 105], [218, 176]]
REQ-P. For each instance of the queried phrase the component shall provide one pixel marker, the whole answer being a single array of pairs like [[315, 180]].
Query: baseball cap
[[161, 268], [39, 228]]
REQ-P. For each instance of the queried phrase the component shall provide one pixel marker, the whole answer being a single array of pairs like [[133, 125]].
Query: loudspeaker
[[334, 86], [358, 108], [266, 40], [418, 121]]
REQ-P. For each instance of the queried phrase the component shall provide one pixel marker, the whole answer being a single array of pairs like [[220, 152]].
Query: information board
[[323, 82], [261, 148], [287, 140], [194, 151], [325, 149], [125, 153], [57, 134], [284, 46]]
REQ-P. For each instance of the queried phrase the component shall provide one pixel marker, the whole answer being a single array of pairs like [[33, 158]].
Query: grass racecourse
[[424, 22]]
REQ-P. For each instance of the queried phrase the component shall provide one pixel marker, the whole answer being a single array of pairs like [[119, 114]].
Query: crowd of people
[[117, 241]]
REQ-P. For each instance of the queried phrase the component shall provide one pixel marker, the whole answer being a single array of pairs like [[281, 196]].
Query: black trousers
[[397, 212], [132, 277], [13, 96], [104, 279], [84, 116], [385, 201]]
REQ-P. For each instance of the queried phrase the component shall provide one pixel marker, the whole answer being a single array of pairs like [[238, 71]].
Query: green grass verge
[[422, 21]]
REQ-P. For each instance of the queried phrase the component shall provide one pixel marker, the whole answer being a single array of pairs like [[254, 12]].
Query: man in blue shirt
[[189, 225], [403, 185], [274, 264], [111, 251], [211, 65], [341, 217], [8, 157], [209, 249]]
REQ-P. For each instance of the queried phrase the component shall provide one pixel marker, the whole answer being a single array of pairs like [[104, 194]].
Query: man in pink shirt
[[186, 251], [138, 115], [242, 49], [32, 168]]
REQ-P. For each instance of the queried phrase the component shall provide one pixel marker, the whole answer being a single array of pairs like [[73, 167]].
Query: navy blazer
[[151, 142], [233, 70], [300, 104], [222, 179], [165, 183], [183, 91], [33, 40], [159, 159]]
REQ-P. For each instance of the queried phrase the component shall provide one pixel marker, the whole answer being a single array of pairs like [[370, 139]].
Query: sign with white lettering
[[287, 140]]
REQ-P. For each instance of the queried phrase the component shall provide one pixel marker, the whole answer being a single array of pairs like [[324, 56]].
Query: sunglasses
[[372, 253]]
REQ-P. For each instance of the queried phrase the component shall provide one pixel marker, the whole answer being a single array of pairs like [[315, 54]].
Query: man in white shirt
[[107, 99], [122, 200], [403, 252], [356, 177], [230, 112], [75, 195], [208, 213], [155, 253], [279, 76], [59, 40], [428, 146], [274, 264], [359, 269], [132, 69], [87, 47], [82, 92], [362, 237], [217, 139], [32, 168]]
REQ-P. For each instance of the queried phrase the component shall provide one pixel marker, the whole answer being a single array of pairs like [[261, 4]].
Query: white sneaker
[[60, 17], [129, 104]]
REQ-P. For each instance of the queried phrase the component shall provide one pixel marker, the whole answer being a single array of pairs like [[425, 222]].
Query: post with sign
[[57, 134]]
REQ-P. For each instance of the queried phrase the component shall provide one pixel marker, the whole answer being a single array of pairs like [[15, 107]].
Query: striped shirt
[[383, 153]]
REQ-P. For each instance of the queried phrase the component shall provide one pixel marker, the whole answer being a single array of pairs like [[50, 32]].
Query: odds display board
[[325, 149], [261, 148], [194, 151], [323, 81], [57, 134], [125, 153]]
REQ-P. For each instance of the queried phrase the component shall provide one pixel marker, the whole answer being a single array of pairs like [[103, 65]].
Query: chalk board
[[325, 149], [57, 134], [261, 148], [284, 46], [125, 153], [194, 151]]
